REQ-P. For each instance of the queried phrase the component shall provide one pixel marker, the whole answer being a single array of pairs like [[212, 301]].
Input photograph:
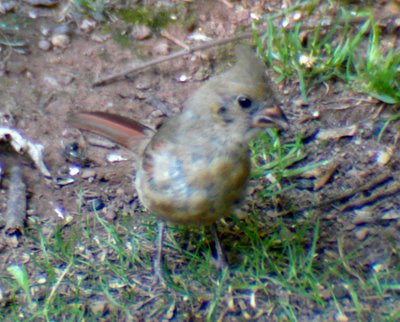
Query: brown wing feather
[[119, 129]]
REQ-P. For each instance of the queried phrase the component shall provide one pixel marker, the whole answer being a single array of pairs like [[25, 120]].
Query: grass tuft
[[334, 52]]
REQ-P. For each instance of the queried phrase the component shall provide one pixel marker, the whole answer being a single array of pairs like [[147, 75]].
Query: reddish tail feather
[[116, 128]]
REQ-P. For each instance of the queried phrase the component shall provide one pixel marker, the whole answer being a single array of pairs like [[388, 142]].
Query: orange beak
[[270, 117]]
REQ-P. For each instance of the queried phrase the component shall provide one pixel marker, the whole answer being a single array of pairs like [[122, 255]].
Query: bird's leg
[[158, 260], [221, 261]]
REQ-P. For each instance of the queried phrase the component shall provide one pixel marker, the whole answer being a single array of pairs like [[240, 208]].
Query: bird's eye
[[244, 102]]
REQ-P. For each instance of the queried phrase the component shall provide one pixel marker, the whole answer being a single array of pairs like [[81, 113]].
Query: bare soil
[[358, 204]]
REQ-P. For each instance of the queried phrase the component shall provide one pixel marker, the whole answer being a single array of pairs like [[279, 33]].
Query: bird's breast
[[192, 185]]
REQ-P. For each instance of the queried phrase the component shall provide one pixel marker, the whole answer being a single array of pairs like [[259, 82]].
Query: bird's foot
[[220, 260], [159, 278]]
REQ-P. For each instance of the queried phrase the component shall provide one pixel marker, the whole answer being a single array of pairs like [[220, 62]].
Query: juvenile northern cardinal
[[195, 168]]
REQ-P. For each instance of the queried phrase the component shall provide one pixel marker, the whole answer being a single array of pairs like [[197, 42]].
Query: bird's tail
[[116, 128]]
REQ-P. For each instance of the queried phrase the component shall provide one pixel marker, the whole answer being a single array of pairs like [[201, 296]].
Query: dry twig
[[190, 50], [395, 188], [16, 204], [381, 178]]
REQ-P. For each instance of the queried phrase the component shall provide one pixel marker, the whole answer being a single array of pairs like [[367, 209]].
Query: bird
[[195, 168]]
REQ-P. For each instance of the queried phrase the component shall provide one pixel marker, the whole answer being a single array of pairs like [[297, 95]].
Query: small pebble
[[64, 182], [362, 216], [296, 16], [285, 22], [378, 267], [391, 215], [160, 49], [299, 102], [115, 157], [120, 191], [140, 32], [60, 212], [182, 78], [88, 173], [341, 317], [362, 233], [98, 307], [25, 258], [44, 45], [199, 37], [97, 37], [60, 40], [384, 156], [255, 16], [41, 280], [74, 170], [306, 60], [55, 60], [32, 14], [87, 25], [58, 80], [336, 133]]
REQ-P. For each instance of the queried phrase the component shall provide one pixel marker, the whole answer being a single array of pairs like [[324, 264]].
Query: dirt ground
[[360, 200]]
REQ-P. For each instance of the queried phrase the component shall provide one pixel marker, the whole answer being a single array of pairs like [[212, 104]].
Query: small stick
[[227, 3], [136, 69], [370, 199], [176, 41], [179, 43], [379, 179], [16, 204]]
